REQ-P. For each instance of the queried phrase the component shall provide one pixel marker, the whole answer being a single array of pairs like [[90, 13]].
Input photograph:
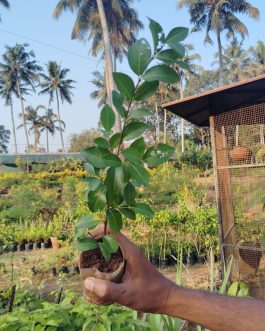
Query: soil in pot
[[93, 264]]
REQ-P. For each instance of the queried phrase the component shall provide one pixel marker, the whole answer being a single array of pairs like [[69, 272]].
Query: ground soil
[[94, 258]]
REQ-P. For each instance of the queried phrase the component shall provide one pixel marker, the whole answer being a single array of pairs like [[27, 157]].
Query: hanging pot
[[240, 153]]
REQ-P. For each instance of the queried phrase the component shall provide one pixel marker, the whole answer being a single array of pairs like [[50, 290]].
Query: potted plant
[[117, 164]]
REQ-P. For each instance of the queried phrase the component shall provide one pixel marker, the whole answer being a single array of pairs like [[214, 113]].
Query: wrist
[[167, 299]]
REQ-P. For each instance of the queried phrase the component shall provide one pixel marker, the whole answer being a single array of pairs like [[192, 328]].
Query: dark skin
[[145, 289]]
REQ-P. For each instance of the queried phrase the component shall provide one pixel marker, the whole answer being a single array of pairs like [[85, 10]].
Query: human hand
[[142, 288]]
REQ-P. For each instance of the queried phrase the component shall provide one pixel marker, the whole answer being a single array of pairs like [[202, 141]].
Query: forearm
[[215, 312]]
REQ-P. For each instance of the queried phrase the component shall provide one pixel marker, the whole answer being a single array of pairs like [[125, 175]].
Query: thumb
[[101, 291]]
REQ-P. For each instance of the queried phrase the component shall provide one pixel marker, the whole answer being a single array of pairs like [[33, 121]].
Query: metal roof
[[198, 108]]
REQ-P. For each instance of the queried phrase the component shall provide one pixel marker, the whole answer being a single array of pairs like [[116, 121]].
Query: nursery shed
[[236, 117]]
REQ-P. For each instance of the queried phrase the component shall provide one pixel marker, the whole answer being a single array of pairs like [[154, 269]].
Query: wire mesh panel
[[239, 150]]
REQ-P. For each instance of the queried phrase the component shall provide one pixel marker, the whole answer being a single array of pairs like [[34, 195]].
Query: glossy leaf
[[139, 55], [112, 243], [96, 200], [114, 218], [124, 84], [118, 99], [139, 144], [139, 173], [104, 247], [179, 49], [132, 154], [115, 140], [88, 167], [101, 158], [143, 209], [140, 113], [114, 182], [86, 222], [158, 155], [156, 31], [134, 130], [177, 35], [101, 142], [161, 73], [93, 183], [86, 244], [146, 90], [128, 213], [129, 194], [183, 65], [107, 118], [168, 56]]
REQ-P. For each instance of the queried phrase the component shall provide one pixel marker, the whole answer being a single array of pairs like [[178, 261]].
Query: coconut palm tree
[[100, 93], [24, 70], [110, 34], [33, 119], [219, 16], [49, 123], [57, 86], [5, 4], [7, 90], [258, 55]]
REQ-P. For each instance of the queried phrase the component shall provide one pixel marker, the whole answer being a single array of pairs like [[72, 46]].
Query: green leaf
[[118, 99], [114, 182], [106, 254], [139, 173], [115, 140], [143, 209], [88, 167], [139, 55], [146, 90], [93, 183], [179, 49], [140, 113], [134, 130], [176, 35], [107, 118], [115, 219], [87, 244], [233, 289], [133, 155], [127, 212], [158, 155], [139, 144], [112, 243], [124, 84], [155, 29], [183, 65], [79, 233], [168, 56], [96, 200], [101, 158], [101, 142], [129, 194], [86, 222], [161, 73]]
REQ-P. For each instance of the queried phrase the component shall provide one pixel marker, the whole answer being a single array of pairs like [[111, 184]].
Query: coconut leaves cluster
[[118, 162]]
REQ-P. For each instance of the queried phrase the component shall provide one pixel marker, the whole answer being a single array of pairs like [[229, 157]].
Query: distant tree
[[50, 123], [24, 70], [219, 16], [55, 84], [4, 139], [80, 141], [100, 93], [5, 4], [258, 55]]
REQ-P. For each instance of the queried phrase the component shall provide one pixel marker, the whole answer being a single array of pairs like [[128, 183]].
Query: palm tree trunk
[[47, 140], [13, 124], [23, 116], [35, 140], [220, 54], [59, 117], [108, 58]]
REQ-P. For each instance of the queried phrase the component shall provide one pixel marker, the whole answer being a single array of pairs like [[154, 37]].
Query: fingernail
[[89, 284]]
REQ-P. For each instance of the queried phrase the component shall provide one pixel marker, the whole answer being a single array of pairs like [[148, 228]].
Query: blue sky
[[33, 19]]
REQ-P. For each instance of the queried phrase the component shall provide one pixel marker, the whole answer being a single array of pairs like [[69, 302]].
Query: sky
[[31, 21]]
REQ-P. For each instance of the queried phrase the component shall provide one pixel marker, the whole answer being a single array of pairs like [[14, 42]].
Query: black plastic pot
[[154, 260], [53, 271], [65, 270], [14, 248], [171, 260], [201, 259], [164, 263], [30, 245], [46, 245], [21, 247]]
